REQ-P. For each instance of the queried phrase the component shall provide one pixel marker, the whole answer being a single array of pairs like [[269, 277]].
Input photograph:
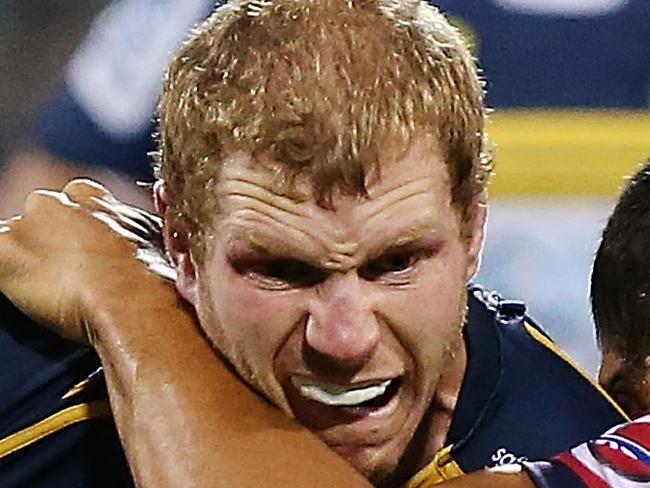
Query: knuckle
[[43, 199], [84, 189]]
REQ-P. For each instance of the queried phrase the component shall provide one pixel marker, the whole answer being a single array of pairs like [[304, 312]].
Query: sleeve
[[103, 115], [620, 458]]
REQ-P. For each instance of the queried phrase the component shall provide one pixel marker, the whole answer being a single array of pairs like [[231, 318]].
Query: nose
[[342, 329]]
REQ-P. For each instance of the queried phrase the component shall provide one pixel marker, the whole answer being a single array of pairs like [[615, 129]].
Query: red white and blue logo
[[623, 451]]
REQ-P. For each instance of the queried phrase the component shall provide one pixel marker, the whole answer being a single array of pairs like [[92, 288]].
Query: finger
[[120, 229], [157, 263], [130, 218], [153, 222], [82, 190], [155, 219], [44, 199], [6, 224]]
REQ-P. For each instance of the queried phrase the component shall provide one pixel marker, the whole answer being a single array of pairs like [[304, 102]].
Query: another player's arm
[[183, 417], [487, 479], [186, 420]]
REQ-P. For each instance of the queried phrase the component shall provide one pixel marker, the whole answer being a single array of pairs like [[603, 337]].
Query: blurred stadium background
[[570, 84]]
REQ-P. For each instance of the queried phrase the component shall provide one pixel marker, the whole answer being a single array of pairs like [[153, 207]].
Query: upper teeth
[[337, 395]]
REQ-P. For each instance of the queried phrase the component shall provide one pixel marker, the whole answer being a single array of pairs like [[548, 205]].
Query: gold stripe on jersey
[[54, 423], [442, 468]]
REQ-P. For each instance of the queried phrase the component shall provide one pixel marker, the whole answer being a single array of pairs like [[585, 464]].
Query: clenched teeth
[[338, 395]]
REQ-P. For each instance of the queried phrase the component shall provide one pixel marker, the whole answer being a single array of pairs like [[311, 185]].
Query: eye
[[281, 274], [394, 263]]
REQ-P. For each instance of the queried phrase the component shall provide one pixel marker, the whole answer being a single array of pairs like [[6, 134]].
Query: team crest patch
[[622, 451]]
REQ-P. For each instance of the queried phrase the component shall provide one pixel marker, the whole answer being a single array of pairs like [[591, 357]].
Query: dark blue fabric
[[85, 455], [560, 61], [66, 131], [38, 369], [533, 402]]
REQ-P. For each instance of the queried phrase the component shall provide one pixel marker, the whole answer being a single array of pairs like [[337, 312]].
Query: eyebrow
[[246, 245], [243, 246], [423, 235]]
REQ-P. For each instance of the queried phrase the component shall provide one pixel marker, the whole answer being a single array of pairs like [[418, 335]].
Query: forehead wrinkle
[[259, 211], [337, 255], [240, 187], [254, 238], [413, 224], [296, 228], [249, 189], [246, 191], [341, 262], [392, 198]]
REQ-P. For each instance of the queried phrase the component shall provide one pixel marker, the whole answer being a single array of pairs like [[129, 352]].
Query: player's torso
[[55, 427]]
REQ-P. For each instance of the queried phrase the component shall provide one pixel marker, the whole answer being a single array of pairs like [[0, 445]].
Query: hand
[[65, 243]]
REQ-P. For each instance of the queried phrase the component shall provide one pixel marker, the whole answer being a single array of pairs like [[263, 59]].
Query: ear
[[627, 382], [177, 244], [475, 233]]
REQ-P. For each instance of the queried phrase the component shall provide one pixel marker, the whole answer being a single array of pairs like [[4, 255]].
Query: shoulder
[[526, 397]]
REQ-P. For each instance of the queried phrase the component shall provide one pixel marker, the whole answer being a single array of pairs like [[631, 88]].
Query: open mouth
[[371, 394]]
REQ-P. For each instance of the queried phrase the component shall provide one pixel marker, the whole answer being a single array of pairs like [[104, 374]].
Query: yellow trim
[[546, 342], [566, 153], [76, 389], [442, 468], [54, 423]]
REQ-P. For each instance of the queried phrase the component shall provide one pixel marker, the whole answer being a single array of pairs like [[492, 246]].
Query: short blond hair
[[321, 87]]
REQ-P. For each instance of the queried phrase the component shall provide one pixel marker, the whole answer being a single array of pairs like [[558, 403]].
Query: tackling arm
[[183, 417]]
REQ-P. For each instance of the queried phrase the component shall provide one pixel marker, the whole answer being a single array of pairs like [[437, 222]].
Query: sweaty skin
[[371, 290], [184, 418], [163, 366]]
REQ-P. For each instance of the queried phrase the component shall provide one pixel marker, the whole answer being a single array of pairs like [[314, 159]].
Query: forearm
[[487, 479], [186, 420]]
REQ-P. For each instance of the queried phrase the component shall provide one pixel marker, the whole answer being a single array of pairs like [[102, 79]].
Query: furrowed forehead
[[410, 202]]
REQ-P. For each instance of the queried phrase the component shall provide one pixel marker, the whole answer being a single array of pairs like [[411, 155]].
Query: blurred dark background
[[36, 39]]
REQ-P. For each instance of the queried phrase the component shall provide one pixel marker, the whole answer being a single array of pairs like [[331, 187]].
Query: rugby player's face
[[342, 317]]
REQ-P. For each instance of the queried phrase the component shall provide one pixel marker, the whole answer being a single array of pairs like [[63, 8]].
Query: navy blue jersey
[[560, 53], [53, 431], [519, 400]]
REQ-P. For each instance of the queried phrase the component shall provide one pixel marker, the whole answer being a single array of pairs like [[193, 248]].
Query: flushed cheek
[[256, 324], [427, 318]]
